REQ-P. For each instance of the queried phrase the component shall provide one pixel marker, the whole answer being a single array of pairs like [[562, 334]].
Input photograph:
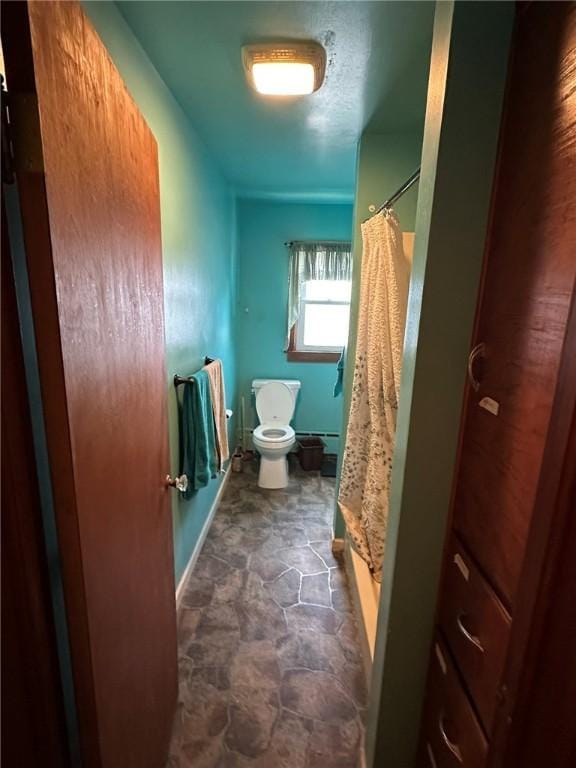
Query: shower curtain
[[367, 464]]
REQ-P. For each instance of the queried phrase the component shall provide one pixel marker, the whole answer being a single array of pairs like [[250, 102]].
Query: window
[[323, 318], [320, 294]]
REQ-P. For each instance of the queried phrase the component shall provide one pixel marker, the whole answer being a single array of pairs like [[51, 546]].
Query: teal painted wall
[[263, 228], [198, 239], [385, 161]]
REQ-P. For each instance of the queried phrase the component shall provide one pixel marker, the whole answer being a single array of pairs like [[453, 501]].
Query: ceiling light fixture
[[285, 69]]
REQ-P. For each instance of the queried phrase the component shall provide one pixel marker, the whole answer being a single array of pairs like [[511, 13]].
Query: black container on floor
[[311, 452], [329, 464]]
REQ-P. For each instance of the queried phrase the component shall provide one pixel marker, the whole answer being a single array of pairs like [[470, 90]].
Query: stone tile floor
[[271, 672]]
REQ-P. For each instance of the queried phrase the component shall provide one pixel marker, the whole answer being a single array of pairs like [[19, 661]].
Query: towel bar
[[188, 379]]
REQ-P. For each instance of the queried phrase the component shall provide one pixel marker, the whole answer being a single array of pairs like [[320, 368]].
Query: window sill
[[294, 356]]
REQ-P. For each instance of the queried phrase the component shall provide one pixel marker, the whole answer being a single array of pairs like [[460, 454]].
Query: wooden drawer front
[[476, 627], [451, 735]]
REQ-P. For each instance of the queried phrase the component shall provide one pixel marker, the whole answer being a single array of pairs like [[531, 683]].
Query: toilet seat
[[274, 434], [275, 404]]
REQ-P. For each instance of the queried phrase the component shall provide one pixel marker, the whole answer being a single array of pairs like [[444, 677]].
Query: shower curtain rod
[[398, 194]]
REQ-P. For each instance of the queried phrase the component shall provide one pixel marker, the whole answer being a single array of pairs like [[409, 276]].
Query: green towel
[[198, 453], [340, 374]]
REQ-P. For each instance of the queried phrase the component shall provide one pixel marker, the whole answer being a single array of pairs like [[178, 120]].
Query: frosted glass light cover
[[283, 79], [291, 69]]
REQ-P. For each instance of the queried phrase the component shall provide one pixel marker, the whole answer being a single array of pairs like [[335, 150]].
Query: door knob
[[180, 483]]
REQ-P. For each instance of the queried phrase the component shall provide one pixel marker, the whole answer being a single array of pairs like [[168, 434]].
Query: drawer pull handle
[[468, 635], [431, 757], [454, 748], [478, 351]]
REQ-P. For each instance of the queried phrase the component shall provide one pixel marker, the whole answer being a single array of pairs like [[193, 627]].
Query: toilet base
[[273, 473]]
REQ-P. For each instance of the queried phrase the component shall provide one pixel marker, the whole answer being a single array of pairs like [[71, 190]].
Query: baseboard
[[201, 539], [337, 546], [365, 605]]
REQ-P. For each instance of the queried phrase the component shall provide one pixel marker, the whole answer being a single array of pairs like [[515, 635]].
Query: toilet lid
[[274, 403]]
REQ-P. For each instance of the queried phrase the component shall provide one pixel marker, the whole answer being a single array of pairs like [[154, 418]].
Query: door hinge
[[7, 146]]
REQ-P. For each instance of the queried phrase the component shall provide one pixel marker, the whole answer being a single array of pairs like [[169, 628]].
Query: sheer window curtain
[[314, 261]]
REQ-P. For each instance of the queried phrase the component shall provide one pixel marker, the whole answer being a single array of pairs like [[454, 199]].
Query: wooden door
[[88, 178], [528, 284]]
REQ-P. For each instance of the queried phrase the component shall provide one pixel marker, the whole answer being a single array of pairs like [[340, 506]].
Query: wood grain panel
[[468, 605], [17, 48], [96, 279], [450, 730], [544, 726], [540, 671], [526, 296]]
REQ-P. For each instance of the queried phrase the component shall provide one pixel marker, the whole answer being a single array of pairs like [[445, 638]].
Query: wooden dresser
[[518, 421]]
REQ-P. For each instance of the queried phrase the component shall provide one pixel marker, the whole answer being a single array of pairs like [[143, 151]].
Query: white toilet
[[274, 437]]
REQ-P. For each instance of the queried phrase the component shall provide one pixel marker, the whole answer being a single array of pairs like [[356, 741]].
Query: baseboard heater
[[317, 434]]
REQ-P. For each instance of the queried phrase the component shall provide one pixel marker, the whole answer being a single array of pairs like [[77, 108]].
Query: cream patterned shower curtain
[[367, 464]]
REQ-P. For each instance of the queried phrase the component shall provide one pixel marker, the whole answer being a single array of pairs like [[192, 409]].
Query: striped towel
[[216, 377]]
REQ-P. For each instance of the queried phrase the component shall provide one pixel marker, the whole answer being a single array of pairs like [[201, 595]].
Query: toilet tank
[[292, 384]]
